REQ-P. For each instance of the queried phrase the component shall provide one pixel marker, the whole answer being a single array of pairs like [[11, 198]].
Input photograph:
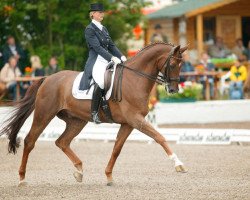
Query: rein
[[165, 79], [159, 78]]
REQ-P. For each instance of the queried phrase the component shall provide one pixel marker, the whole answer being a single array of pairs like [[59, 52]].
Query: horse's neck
[[146, 63], [146, 60]]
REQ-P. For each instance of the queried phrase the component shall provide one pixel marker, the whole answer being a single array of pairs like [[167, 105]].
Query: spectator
[[158, 36], [53, 67], [208, 67], [8, 74], [239, 48], [247, 51], [218, 50], [36, 65], [13, 49], [238, 76], [1, 59], [186, 67]]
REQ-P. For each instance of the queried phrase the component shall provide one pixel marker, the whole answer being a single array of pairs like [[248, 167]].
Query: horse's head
[[171, 68]]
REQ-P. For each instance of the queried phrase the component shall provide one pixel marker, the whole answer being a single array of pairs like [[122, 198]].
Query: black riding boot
[[97, 96]]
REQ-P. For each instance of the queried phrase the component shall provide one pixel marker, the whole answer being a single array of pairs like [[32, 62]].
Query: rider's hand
[[123, 58], [116, 60]]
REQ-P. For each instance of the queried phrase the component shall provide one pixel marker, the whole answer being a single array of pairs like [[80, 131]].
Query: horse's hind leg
[[40, 121], [122, 136], [73, 128]]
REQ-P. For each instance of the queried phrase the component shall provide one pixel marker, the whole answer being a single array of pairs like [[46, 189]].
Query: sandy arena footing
[[143, 171]]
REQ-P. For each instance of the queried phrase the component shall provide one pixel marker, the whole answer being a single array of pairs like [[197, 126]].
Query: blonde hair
[[91, 14], [35, 62]]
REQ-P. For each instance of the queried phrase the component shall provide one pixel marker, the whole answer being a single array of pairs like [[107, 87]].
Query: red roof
[[147, 11]]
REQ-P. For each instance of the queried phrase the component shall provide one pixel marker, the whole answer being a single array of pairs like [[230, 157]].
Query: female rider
[[102, 50]]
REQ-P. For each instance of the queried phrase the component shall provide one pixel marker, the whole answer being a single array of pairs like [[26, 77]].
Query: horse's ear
[[176, 49], [184, 48]]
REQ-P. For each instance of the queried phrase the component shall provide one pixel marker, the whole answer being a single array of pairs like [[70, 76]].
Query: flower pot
[[181, 100]]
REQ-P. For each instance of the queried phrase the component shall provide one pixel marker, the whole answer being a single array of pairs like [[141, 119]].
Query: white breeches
[[99, 69]]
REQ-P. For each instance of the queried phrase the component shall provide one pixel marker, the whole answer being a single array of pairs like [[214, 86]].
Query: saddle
[[116, 94], [108, 76]]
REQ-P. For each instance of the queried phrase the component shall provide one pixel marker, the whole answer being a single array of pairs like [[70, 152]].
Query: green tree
[[55, 27]]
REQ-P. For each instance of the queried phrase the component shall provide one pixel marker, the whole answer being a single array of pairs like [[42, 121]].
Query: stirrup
[[95, 118]]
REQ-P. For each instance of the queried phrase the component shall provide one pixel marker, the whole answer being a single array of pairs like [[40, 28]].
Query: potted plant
[[188, 92]]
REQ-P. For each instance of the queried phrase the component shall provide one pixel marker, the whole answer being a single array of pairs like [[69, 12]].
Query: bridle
[[165, 79], [161, 79]]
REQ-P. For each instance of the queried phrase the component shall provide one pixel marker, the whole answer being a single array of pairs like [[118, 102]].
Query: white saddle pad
[[85, 94]]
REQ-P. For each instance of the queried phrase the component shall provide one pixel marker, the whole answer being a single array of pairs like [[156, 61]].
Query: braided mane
[[149, 46], [153, 44]]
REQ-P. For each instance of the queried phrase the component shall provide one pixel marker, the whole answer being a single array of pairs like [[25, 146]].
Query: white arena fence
[[180, 136], [108, 132]]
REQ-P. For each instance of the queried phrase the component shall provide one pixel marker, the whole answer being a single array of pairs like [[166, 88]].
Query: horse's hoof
[[110, 183], [78, 176], [181, 168], [22, 183]]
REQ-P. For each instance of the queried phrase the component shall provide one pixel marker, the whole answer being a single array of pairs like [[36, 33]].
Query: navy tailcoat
[[99, 43]]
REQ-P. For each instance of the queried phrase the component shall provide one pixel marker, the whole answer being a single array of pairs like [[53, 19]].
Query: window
[[209, 29]]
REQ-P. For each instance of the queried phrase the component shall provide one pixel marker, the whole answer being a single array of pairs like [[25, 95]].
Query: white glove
[[123, 58], [116, 60]]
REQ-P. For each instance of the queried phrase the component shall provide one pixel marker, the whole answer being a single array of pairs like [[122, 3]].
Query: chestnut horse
[[52, 96]]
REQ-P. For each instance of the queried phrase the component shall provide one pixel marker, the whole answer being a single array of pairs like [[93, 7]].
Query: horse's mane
[[151, 45]]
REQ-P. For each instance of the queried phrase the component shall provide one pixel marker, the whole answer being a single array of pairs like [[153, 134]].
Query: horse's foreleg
[[122, 136], [142, 125], [73, 128]]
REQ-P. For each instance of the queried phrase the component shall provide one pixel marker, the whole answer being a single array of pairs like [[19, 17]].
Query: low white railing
[[108, 132]]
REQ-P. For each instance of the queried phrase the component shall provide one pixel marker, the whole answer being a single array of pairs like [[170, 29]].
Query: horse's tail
[[22, 111]]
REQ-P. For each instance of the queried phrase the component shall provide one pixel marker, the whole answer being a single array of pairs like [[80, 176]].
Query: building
[[199, 22], [137, 42]]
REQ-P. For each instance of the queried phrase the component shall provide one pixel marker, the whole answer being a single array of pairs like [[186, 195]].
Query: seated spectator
[[36, 65], [238, 76], [247, 51], [186, 67], [239, 48], [8, 74], [207, 67], [53, 67], [13, 49], [1, 59], [219, 49], [158, 36]]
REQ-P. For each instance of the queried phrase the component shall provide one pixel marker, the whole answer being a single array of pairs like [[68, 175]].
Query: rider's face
[[98, 16]]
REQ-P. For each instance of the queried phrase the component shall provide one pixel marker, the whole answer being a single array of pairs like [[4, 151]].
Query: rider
[[101, 51]]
